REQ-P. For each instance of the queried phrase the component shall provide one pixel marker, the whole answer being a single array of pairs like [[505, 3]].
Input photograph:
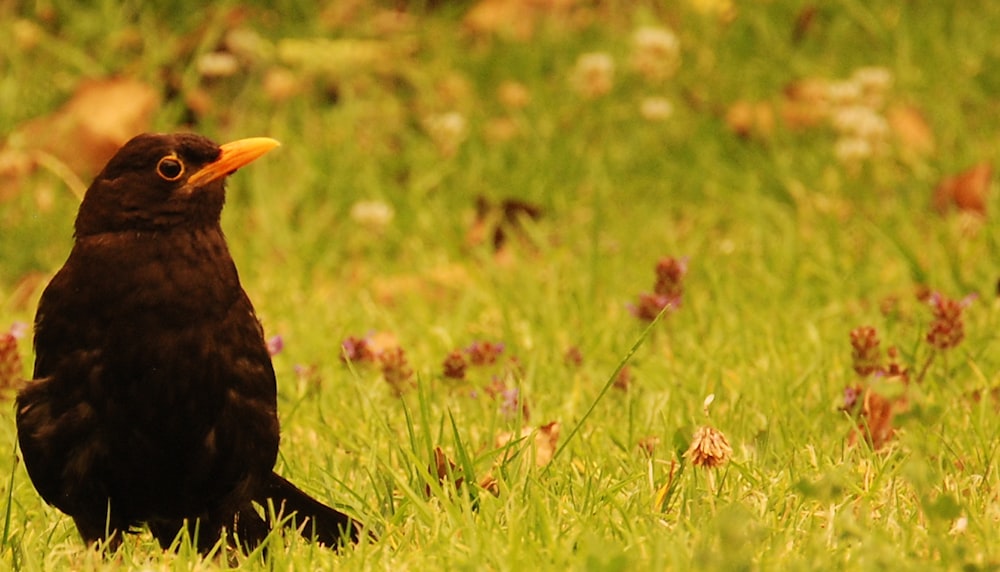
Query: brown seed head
[[10, 361], [709, 448], [947, 330], [865, 351], [454, 365]]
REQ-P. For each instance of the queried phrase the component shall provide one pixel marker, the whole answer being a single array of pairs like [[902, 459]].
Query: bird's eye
[[170, 168]]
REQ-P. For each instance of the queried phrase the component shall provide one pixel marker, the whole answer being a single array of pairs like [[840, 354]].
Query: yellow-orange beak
[[234, 155]]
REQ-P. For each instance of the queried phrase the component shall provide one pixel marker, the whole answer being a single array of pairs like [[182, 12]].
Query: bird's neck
[[191, 267]]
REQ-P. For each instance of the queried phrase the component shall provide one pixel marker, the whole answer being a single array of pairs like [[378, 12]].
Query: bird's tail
[[317, 521]]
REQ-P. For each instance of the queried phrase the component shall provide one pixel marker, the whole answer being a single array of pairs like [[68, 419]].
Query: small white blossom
[[218, 64], [656, 52], [656, 108], [853, 149], [447, 130], [842, 93], [594, 74], [373, 214], [860, 121], [960, 525], [872, 79]]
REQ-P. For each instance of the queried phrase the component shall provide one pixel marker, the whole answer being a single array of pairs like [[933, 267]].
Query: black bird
[[154, 398]]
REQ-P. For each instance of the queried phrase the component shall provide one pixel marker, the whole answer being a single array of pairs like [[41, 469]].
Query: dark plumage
[[154, 399]]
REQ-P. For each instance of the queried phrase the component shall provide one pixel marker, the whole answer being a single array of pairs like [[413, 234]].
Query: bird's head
[[160, 182]]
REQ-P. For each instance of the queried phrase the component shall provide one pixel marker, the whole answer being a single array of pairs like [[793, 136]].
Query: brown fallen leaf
[[993, 393], [87, 130], [804, 104], [648, 444], [875, 425], [751, 119], [544, 444], [490, 484], [495, 222], [966, 190], [805, 22], [517, 19], [910, 127], [445, 470]]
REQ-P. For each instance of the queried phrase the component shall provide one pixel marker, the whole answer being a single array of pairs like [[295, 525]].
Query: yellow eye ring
[[170, 168]]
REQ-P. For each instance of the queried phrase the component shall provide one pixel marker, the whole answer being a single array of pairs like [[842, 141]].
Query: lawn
[[521, 256]]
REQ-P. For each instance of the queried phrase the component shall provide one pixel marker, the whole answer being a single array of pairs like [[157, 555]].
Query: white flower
[[247, 45], [853, 149], [373, 214], [594, 74], [656, 108], [656, 52], [872, 79], [960, 525], [842, 93], [447, 130], [218, 64], [860, 121]]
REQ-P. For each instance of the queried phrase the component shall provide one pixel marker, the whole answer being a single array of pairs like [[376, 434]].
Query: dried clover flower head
[[447, 131], [594, 74], [865, 350], [947, 330], [10, 360], [709, 448], [455, 365], [656, 53]]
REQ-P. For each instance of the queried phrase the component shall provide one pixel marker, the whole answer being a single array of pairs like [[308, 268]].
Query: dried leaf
[[444, 468], [545, 442], [85, 132], [751, 119], [497, 222], [876, 421], [967, 190], [804, 104], [545, 439], [648, 444], [911, 129], [623, 381], [514, 18], [805, 22], [993, 393], [490, 484]]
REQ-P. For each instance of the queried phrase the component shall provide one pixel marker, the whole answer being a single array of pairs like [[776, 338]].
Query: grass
[[788, 250]]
